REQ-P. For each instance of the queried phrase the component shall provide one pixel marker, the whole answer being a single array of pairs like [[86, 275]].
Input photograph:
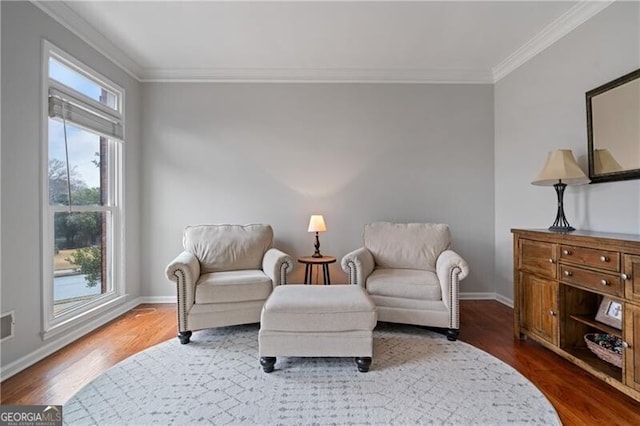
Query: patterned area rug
[[417, 377]]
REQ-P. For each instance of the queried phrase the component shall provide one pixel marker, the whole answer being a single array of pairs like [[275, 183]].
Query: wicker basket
[[606, 347]]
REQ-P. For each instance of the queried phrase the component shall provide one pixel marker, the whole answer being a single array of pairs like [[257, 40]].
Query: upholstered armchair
[[224, 275], [411, 273]]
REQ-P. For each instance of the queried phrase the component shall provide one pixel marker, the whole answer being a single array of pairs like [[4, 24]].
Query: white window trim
[[53, 326]]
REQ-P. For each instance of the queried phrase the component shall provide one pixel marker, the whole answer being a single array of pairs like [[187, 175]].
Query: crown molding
[[68, 18], [317, 75], [567, 22]]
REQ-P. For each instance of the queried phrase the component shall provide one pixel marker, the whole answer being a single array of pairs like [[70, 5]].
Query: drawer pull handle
[[568, 273], [604, 259], [552, 313], [604, 282], [566, 252], [625, 277], [626, 345], [551, 261]]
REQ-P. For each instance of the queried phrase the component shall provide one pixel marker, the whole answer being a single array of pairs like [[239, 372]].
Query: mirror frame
[[615, 176]]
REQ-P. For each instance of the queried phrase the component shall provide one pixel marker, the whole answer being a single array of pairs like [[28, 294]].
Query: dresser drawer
[[598, 281], [538, 257], [602, 259]]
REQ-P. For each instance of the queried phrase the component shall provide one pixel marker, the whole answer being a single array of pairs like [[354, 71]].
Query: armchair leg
[[185, 337], [267, 363], [452, 334]]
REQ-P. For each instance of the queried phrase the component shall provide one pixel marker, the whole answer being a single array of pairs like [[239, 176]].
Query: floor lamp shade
[[560, 170]]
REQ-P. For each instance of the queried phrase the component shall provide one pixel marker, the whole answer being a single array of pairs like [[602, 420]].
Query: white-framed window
[[82, 208]]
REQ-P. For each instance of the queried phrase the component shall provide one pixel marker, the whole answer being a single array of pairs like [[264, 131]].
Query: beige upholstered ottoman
[[317, 321]]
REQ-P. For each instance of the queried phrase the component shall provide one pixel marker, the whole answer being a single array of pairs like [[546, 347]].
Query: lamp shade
[[316, 223], [603, 162], [561, 166]]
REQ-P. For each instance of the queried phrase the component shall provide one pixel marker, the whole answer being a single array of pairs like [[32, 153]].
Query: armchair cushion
[[406, 245], [404, 283], [233, 286], [228, 247]]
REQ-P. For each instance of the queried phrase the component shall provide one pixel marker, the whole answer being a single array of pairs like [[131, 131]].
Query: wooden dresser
[[560, 280]]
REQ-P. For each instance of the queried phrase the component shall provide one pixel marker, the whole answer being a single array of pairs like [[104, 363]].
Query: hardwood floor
[[579, 398], [56, 378]]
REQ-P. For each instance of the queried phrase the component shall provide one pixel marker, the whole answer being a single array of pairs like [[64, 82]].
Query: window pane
[[82, 84], [87, 166], [80, 258]]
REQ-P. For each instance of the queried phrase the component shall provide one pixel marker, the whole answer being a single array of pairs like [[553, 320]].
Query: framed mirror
[[613, 129]]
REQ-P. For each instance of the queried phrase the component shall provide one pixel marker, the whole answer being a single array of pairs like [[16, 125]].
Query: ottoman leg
[[363, 363], [267, 363]]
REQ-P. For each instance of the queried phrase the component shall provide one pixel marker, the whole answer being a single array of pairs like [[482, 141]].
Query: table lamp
[[561, 170], [316, 224]]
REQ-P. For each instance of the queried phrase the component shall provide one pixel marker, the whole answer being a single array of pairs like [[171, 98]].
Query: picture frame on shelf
[[610, 313]]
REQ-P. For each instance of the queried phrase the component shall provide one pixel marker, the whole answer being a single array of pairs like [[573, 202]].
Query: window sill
[[82, 318]]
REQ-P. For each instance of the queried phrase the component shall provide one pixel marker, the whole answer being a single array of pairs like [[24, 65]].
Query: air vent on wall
[[6, 326]]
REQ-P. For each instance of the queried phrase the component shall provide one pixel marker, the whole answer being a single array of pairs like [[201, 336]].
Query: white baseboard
[[487, 296], [504, 300], [157, 299], [46, 350], [477, 296]]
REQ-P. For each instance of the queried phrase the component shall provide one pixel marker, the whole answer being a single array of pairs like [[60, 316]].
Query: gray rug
[[417, 377]]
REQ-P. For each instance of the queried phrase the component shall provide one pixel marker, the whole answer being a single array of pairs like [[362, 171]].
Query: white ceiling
[[415, 41]]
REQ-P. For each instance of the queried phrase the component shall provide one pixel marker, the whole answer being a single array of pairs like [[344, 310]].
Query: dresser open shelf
[[584, 319], [578, 309], [560, 280]]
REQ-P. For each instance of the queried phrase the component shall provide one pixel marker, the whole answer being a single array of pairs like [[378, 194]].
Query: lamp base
[[561, 228], [317, 247], [561, 224]]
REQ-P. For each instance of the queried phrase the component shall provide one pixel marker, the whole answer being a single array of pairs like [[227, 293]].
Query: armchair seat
[[233, 286], [410, 272], [404, 283]]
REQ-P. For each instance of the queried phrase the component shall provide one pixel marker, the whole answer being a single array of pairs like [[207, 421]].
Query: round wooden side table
[[310, 262]]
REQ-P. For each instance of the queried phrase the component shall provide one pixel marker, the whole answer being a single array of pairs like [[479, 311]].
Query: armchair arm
[[359, 264], [276, 264], [451, 268], [184, 270]]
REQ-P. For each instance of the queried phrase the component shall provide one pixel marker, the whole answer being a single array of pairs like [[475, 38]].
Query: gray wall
[[276, 153], [23, 27], [541, 107]]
